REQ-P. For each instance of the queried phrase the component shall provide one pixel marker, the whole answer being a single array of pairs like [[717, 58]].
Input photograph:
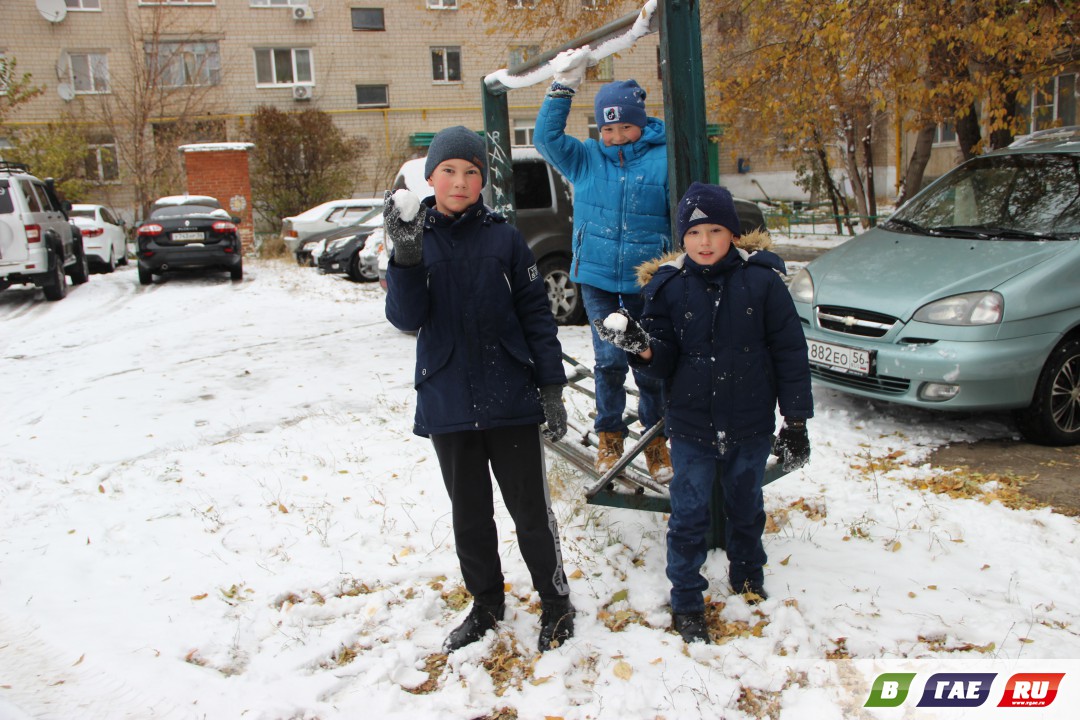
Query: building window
[[5, 78], [283, 66], [83, 4], [101, 164], [368, 19], [89, 72], [521, 4], [604, 71], [594, 132], [521, 54], [446, 64], [523, 132], [442, 4], [1053, 103], [177, 2], [277, 3], [589, 4], [945, 134], [185, 64], [372, 96]]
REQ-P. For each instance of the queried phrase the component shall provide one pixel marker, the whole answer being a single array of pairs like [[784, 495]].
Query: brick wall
[[223, 173]]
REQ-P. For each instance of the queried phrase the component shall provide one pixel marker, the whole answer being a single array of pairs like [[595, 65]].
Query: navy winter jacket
[[487, 339], [621, 216], [729, 345]]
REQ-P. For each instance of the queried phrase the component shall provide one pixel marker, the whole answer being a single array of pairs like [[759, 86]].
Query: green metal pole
[[684, 99], [497, 135]]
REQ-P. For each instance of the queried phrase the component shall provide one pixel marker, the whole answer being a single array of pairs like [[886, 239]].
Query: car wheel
[[80, 271], [110, 264], [357, 271], [237, 272], [1053, 418], [145, 276], [55, 285], [564, 296], [123, 256]]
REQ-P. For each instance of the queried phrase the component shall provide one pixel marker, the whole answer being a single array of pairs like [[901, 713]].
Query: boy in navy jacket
[[720, 329], [488, 372]]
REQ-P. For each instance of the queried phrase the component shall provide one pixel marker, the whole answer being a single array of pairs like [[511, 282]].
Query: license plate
[[188, 236], [840, 357]]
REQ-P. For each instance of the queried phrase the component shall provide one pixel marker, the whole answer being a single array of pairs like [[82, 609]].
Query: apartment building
[[390, 71]]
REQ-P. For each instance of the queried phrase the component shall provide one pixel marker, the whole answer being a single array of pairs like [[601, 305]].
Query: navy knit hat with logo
[[710, 204], [457, 143], [620, 102]]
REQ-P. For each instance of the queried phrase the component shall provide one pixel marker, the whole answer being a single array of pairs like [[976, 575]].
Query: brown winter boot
[[609, 452], [659, 460]]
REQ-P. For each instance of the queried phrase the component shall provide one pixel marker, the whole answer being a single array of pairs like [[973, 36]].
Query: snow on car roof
[[187, 200], [315, 212]]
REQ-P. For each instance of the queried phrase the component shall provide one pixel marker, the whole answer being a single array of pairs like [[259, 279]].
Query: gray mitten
[[554, 412], [403, 223], [793, 444], [625, 333]]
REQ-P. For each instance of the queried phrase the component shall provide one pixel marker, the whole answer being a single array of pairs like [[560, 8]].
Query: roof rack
[[14, 166]]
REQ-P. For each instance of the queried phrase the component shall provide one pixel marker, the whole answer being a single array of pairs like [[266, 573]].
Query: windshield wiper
[[989, 231], [907, 225]]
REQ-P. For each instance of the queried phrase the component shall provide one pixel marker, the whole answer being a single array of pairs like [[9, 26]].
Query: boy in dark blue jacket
[[488, 372], [720, 329], [621, 220]]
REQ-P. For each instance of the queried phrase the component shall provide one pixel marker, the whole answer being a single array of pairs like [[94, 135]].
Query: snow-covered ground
[[212, 506]]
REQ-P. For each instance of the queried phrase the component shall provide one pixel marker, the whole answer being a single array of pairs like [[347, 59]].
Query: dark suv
[[38, 244]]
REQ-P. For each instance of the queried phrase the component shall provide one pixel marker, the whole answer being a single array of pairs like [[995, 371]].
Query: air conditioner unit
[[302, 92], [303, 12]]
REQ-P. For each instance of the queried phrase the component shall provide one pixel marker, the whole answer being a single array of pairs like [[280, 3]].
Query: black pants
[[516, 458]]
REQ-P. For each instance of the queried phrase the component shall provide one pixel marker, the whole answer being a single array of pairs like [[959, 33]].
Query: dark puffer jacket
[[728, 344], [487, 339]]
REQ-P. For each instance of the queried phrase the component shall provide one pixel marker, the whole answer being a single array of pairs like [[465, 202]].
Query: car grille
[[885, 385], [850, 321]]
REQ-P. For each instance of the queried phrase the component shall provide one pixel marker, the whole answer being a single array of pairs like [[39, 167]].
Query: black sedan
[[187, 232], [342, 256]]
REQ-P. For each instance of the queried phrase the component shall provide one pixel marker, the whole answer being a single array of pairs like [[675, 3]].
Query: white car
[[104, 235], [321, 218]]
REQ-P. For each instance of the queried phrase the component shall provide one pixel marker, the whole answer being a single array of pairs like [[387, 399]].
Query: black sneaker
[[692, 627], [480, 619], [753, 591], [556, 623]]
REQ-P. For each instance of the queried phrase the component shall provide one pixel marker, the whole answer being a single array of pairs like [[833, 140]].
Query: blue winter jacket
[[728, 344], [621, 216], [487, 339]]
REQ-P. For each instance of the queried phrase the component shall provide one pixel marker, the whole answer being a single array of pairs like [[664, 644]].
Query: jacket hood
[[747, 245]]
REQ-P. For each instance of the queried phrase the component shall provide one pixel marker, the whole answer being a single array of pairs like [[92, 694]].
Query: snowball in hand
[[407, 204], [615, 321]]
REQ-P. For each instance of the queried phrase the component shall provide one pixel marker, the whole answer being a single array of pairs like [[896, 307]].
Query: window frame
[[277, 3], [91, 67], [292, 67], [386, 95], [1052, 90], [208, 67], [81, 5], [382, 19], [446, 52], [528, 127], [944, 135], [181, 3], [101, 176], [442, 5]]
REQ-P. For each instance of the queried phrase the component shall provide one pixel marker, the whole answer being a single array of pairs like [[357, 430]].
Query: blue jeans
[[611, 366], [741, 470]]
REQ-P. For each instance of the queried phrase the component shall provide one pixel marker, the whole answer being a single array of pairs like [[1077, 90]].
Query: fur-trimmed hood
[[747, 245]]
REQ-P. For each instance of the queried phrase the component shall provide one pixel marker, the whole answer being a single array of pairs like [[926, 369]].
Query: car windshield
[[372, 213], [181, 210], [81, 213], [1021, 196]]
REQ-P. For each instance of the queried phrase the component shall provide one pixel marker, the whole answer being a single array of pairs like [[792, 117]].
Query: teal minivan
[[967, 297]]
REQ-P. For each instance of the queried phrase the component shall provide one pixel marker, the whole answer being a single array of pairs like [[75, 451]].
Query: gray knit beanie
[[457, 143], [710, 204]]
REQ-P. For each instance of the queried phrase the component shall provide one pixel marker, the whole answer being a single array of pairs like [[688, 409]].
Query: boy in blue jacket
[[488, 372], [720, 329], [621, 220]]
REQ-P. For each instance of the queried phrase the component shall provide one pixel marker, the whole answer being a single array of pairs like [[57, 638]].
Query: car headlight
[[802, 287], [338, 244], [977, 308]]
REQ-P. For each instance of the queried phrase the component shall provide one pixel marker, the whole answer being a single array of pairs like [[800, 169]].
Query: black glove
[[793, 445], [554, 411], [406, 237], [633, 339]]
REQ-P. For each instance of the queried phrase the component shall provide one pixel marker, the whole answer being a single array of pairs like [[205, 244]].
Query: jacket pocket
[[431, 357]]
